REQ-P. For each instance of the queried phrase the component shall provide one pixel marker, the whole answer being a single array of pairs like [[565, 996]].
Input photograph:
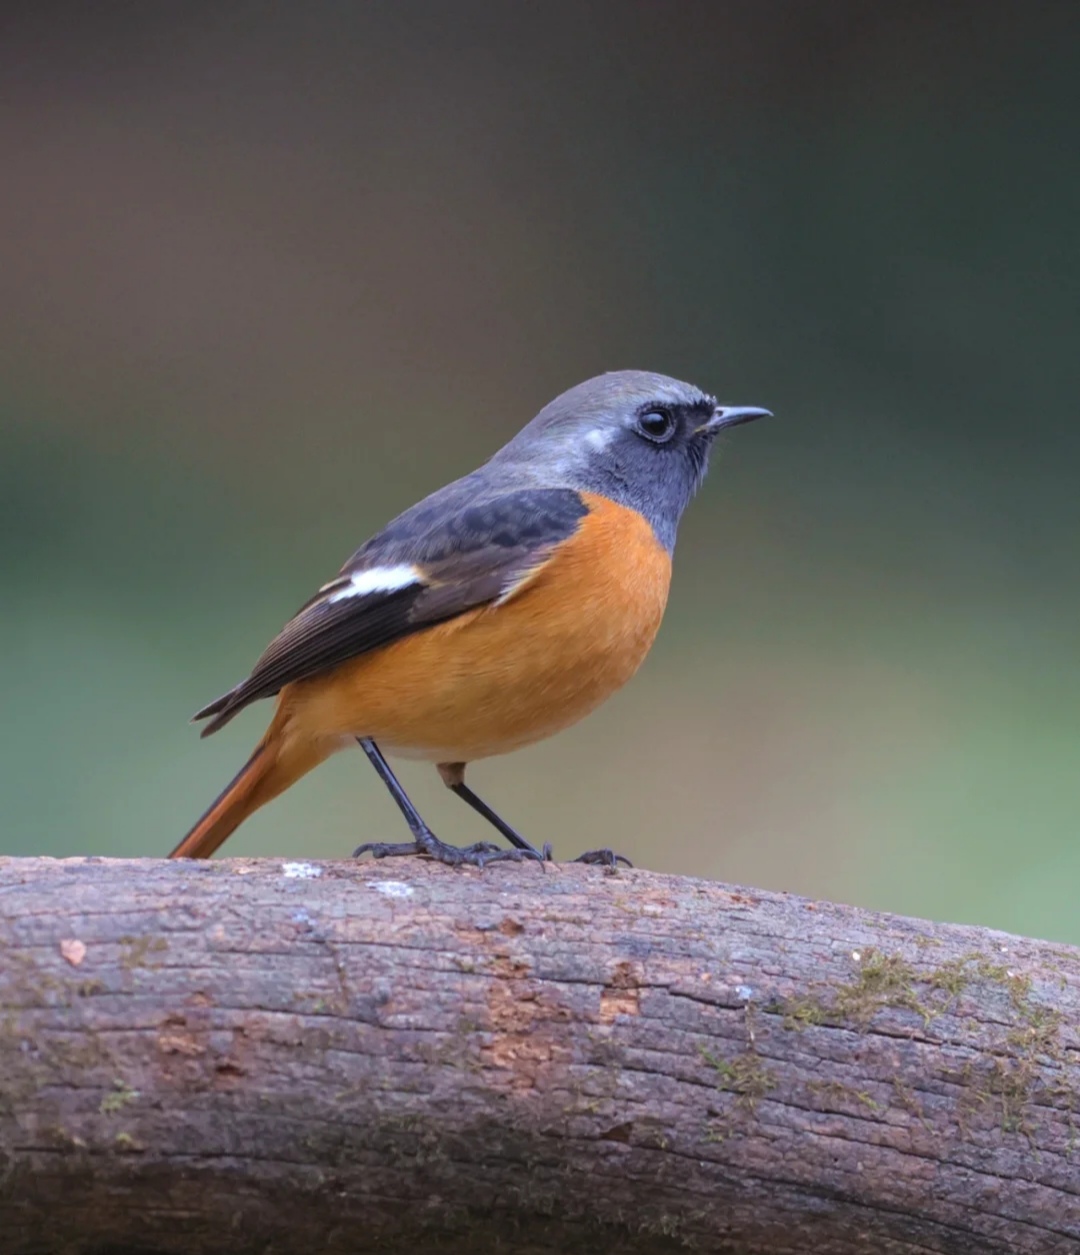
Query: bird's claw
[[598, 858], [477, 855], [603, 858]]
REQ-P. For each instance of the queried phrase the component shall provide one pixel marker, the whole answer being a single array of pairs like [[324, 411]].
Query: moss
[[837, 1093], [889, 980], [28, 984], [883, 980], [1008, 1083], [745, 1076], [1038, 1033], [136, 951], [907, 1100], [1005, 1087], [951, 978], [718, 1131], [118, 1098], [801, 1013], [1012, 1069], [1066, 1094], [63, 1139]]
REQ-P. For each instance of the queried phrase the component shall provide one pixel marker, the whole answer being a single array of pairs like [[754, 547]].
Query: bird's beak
[[732, 416]]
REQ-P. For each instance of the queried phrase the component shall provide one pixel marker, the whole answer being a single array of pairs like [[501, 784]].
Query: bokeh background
[[269, 273]]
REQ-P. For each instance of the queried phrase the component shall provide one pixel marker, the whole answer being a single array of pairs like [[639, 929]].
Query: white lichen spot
[[301, 871], [391, 888], [744, 992]]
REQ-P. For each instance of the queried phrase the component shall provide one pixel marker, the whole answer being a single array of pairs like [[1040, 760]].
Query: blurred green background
[[270, 273]]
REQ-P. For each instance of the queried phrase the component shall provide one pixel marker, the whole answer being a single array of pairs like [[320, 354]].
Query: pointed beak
[[731, 416]]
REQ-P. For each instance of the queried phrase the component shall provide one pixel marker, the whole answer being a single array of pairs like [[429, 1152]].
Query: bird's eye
[[657, 425]]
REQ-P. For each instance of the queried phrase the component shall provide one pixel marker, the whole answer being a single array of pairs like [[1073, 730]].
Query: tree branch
[[242, 1056]]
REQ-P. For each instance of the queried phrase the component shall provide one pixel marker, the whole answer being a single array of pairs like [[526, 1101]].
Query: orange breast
[[503, 676]]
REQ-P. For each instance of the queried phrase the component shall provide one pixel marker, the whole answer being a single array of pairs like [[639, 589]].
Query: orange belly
[[502, 676]]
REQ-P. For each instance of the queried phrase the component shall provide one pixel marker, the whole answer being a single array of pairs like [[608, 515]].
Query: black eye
[[657, 425]]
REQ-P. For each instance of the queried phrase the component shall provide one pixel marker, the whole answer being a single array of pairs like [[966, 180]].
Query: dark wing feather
[[467, 553]]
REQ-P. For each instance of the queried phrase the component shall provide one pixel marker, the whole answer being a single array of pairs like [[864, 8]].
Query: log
[[242, 1056]]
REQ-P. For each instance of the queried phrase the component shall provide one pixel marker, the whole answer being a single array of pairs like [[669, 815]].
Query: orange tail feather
[[275, 765]]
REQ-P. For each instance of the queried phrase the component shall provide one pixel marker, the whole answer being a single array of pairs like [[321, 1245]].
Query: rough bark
[[250, 1056]]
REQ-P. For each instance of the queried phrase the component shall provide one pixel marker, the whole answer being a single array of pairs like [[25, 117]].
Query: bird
[[496, 612]]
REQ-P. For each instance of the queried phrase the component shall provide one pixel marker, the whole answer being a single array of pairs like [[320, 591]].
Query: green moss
[[907, 1100], [136, 951], [838, 1093], [951, 978], [118, 1098], [889, 980], [61, 1138], [1008, 1083], [1011, 1070], [745, 1075], [883, 980], [957, 974], [801, 1013]]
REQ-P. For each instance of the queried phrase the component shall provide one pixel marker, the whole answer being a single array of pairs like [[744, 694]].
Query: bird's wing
[[432, 563]]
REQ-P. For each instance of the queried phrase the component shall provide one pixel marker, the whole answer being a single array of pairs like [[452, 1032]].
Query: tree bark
[[245, 1056]]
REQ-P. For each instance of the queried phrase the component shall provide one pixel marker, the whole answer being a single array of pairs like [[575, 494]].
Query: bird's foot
[[477, 855]]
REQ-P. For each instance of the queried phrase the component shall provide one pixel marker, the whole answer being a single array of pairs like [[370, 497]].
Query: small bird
[[494, 613]]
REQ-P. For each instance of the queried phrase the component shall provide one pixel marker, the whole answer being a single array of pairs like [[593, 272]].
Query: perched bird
[[496, 612]]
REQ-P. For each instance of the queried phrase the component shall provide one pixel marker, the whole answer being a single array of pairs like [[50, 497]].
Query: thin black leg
[[606, 858], [481, 807], [424, 840]]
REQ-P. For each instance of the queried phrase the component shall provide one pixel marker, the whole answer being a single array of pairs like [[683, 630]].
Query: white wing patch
[[378, 579]]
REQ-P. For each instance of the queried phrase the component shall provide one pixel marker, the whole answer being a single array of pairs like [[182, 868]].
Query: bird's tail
[[277, 763]]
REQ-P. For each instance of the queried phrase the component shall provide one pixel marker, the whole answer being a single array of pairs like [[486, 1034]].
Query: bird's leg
[[453, 775], [424, 840]]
